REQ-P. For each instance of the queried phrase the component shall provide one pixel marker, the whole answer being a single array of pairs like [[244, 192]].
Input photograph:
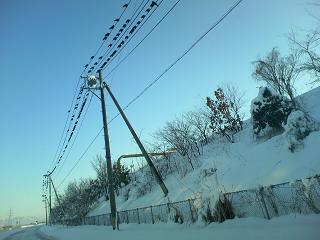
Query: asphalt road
[[29, 233]]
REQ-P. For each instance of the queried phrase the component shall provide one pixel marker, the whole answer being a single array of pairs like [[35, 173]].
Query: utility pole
[[58, 199], [108, 154], [10, 218], [49, 185], [45, 206], [142, 149]]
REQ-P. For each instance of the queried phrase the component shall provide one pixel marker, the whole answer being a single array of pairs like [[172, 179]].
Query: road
[[29, 233]]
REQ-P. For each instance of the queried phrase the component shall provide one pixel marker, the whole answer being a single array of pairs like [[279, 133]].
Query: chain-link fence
[[300, 196]]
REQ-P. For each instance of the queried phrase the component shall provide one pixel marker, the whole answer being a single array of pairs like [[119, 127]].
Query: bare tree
[[179, 134], [199, 119], [309, 51], [100, 167], [278, 72]]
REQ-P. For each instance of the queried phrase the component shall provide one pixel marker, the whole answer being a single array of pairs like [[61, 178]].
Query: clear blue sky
[[45, 44]]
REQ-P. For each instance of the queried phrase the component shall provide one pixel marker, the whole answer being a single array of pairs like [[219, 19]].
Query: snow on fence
[[300, 196]]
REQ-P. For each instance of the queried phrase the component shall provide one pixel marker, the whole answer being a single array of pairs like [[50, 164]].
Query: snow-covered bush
[[299, 126], [269, 112]]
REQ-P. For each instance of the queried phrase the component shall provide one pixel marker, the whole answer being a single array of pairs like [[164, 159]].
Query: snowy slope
[[241, 165]]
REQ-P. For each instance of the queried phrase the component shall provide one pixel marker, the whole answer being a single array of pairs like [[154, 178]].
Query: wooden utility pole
[[50, 208], [45, 206], [112, 199]]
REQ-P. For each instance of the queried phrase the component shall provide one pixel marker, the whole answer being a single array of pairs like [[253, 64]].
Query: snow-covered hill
[[240, 165]]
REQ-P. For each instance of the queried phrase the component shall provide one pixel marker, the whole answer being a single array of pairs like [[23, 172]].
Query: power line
[[139, 26], [65, 159], [79, 159], [78, 82], [107, 35], [158, 78], [158, 23], [128, 24]]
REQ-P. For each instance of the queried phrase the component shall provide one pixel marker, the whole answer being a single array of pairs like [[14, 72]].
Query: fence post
[[118, 221], [168, 206], [152, 215], [138, 215], [127, 217], [191, 212], [264, 202]]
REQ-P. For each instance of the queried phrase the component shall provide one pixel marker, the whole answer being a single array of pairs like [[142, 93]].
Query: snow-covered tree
[[278, 72], [299, 126], [269, 112]]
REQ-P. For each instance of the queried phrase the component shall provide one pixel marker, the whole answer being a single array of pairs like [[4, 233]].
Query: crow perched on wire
[[112, 27], [132, 29], [116, 20], [154, 4], [126, 5]]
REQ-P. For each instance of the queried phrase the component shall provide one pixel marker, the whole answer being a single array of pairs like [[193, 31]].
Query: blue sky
[[45, 44]]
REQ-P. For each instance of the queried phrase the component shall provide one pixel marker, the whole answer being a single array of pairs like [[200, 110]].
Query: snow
[[244, 164], [291, 227]]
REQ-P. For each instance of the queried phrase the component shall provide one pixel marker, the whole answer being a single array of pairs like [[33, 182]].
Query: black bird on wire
[[154, 4], [126, 5]]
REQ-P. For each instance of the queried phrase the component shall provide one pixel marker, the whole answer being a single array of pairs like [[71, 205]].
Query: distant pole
[[108, 155], [49, 182], [142, 149], [45, 206]]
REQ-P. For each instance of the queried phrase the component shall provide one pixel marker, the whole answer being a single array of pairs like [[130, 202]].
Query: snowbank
[[291, 227]]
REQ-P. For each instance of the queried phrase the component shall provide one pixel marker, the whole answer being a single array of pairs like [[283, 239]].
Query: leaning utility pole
[[108, 154], [142, 149], [58, 199]]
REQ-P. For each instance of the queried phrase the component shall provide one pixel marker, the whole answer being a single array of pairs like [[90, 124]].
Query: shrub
[[225, 117], [222, 211]]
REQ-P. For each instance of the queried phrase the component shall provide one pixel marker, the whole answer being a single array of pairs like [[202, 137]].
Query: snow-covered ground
[[287, 227], [240, 165]]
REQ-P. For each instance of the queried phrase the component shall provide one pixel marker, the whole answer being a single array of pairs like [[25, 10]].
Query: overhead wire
[[140, 25], [128, 23], [158, 78], [60, 146], [76, 136], [107, 35], [127, 55]]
